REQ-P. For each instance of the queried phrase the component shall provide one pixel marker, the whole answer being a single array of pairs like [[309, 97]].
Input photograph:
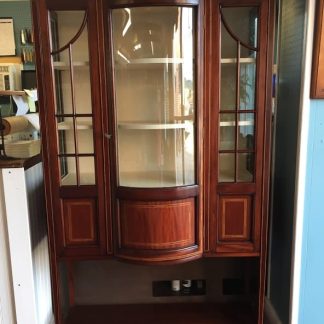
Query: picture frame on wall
[[317, 85], [7, 37]]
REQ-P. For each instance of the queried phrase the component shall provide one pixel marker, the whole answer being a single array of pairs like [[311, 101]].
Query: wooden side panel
[[235, 218], [80, 225], [157, 225], [317, 86]]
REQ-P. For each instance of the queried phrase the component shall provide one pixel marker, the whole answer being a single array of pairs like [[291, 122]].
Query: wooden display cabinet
[[156, 127]]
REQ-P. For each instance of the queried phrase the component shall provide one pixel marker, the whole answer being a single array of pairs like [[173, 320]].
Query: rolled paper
[[33, 119], [14, 124]]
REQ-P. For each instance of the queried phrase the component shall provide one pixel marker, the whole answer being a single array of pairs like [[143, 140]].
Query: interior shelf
[[243, 60], [153, 60], [65, 66], [190, 313], [152, 179], [79, 125], [240, 123], [148, 126]]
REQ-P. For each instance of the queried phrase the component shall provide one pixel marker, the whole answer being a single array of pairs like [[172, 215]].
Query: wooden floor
[[161, 314]]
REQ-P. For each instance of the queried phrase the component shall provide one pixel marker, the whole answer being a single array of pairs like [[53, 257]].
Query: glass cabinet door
[[73, 104], [154, 78], [239, 54]]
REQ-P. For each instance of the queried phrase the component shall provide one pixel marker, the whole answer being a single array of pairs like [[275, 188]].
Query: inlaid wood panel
[[157, 225], [80, 226], [235, 218]]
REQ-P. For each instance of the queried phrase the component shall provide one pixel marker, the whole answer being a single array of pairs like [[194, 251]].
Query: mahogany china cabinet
[[155, 119]]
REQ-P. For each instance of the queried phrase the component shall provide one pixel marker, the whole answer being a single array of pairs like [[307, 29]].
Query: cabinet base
[[197, 313]]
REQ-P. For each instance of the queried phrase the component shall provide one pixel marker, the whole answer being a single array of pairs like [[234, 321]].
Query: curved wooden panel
[[159, 225], [154, 194]]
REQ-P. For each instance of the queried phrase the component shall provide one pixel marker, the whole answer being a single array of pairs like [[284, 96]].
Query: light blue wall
[[312, 279]]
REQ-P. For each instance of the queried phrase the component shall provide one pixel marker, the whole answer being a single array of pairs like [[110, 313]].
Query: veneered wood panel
[[157, 225], [235, 218], [80, 226]]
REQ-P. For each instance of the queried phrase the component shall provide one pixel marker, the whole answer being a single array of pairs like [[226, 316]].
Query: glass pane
[[246, 132], [226, 167], [227, 132], [228, 86], [66, 143], [158, 168], [247, 85], [245, 167], [85, 135], [64, 27], [228, 46], [87, 170], [63, 93], [155, 99], [228, 71], [68, 171], [243, 22]]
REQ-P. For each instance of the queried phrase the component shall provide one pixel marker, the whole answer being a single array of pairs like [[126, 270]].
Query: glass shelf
[[79, 125], [150, 126], [243, 60], [240, 123], [62, 66], [153, 60], [150, 179]]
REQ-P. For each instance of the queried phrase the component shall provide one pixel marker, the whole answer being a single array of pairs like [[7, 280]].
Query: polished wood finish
[[317, 85], [266, 163], [20, 163], [141, 3], [234, 218], [152, 194], [97, 192], [215, 191], [79, 219], [157, 225], [196, 313]]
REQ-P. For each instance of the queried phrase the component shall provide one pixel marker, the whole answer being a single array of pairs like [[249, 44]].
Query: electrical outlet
[[187, 287]]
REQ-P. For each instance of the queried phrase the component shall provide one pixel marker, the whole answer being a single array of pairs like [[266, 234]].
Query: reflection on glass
[[228, 87], [84, 134], [66, 136], [87, 170], [155, 99], [245, 167], [227, 132], [73, 97], [226, 167], [243, 22], [247, 86], [229, 45], [246, 132], [68, 174], [63, 95]]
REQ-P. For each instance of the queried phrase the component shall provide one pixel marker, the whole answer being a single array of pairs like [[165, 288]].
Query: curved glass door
[[154, 71]]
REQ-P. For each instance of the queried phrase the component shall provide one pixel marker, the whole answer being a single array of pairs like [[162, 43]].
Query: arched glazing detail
[[239, 55], [73, 104]]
